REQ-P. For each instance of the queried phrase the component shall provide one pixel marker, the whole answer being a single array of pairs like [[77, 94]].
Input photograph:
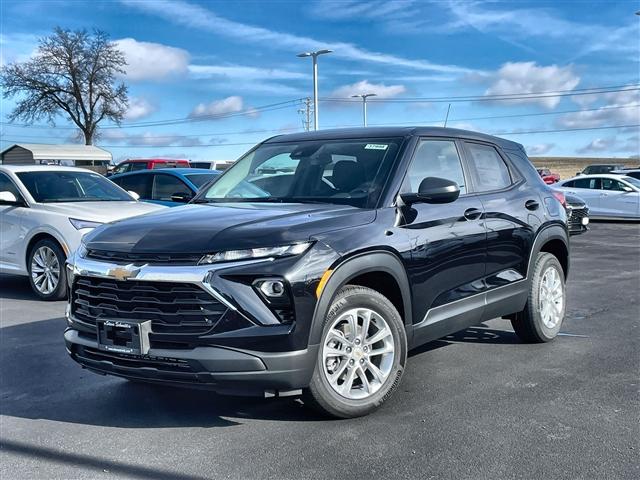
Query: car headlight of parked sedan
[[80, 224]]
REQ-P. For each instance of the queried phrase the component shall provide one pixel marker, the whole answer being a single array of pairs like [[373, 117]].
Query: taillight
[[560, 197]]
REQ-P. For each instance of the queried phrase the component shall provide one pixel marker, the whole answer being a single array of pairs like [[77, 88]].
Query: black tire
[[528, 324], [60, 291], [320, 395]]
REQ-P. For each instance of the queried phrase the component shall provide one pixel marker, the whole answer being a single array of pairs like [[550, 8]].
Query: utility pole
[[314, 56], [364, 97], [306, 114]]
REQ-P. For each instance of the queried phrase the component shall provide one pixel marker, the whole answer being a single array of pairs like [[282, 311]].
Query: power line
[[525, 132], [415, 122]]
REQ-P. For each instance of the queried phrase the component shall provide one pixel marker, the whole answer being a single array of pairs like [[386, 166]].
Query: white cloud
[[139, 108], [152, 61], [620, 108], [195, 16], [225, 106], [598, 145], [544, 23], [358, 88], [540, 148], [244, 72], [120, 137], [528, 77]]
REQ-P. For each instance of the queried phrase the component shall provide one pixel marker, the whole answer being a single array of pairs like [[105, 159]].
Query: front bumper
[[224, 370], [254, 352]]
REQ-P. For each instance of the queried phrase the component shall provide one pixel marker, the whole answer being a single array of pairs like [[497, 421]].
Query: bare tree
[[73, 74]]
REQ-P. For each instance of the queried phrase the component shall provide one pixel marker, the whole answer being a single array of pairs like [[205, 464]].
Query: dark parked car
[[318, 260], [577, 215], [599, 169], [166, 186], [628, 172]]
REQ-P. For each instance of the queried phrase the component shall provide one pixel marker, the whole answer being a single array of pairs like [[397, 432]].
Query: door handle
[[472, 213], [531, 205]]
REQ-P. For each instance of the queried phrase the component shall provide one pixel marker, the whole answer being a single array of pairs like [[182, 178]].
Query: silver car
[[606, 195], [45, 211]]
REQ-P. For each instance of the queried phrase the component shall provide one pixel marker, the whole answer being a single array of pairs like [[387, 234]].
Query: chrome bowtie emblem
[[125, 272]]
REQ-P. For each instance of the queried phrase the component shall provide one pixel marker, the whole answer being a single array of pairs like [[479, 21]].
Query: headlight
[[80, 224], [250, 253]]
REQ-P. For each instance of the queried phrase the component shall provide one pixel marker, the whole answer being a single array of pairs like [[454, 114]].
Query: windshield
[[633, 181], [350, 172], [70, 186], [199, 179]]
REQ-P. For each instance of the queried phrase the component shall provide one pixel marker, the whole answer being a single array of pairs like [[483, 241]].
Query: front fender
[[351, 267]]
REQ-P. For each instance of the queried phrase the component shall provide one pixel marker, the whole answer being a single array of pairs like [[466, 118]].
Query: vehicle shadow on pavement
[[39, 381], [15, 287], [483, 334]]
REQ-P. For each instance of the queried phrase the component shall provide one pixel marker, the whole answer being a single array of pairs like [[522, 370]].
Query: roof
[[178, 172], [40, 168], [372, 132], [155, 160], [612, 176], [43, 151]]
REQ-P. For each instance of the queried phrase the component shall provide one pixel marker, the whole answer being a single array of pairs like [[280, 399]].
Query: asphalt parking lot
[[476, 405]]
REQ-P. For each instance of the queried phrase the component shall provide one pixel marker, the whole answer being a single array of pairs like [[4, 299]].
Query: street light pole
[[364, 97], [314, 57]]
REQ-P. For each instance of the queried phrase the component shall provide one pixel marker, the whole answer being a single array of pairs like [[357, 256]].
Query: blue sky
[[190, 58]]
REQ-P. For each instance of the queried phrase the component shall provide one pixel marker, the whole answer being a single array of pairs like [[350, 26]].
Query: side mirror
[[181, 197], [133, 194], [8, 198], [433, 190]]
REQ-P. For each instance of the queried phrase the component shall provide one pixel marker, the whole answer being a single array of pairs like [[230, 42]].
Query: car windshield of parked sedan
[[69, 186], [199, 179], [351, 172], [633, 181]]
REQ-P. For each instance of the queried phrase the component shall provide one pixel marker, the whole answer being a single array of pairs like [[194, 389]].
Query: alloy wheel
[[551, 297], [358, 353], [45, 270]]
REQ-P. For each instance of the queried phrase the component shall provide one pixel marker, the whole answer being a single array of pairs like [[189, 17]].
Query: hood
[[103, 212], [205, 228]]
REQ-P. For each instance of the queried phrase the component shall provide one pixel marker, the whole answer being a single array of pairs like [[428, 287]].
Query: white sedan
[[607, 195], [45, 211]]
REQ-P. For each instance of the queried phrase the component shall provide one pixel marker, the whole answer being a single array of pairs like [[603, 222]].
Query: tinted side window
[[164, 186], [122, 168], [491, 173], [133, 167], [610, 184], [436, 158], [569, 184], [592, 183], [135, 183], [6, 185]]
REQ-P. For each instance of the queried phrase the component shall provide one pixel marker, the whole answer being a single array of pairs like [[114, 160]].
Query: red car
[[148, 164], [548, 176]]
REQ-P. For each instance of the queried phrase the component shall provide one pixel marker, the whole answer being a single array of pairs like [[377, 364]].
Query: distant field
[[568, 166]]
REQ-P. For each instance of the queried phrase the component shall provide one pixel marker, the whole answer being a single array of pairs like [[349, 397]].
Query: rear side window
[[164, 186], [135, 183], [591, 183], [137, 166], [490, 171], [436, 158]]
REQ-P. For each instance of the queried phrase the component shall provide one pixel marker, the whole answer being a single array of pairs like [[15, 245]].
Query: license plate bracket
[[124, 336]]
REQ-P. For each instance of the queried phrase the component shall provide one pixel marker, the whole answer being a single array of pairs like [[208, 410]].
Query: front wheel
[[542, 317], [362, 354], [47, 272]]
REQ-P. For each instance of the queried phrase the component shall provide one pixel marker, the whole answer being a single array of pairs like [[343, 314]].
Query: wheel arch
[[366, 269], [42, 235], [552, 239]]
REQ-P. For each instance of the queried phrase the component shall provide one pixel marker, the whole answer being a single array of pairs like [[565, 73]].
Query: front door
[[616, 201], [448, 243], [10, 222]]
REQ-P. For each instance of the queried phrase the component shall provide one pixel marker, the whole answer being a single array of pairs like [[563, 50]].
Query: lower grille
[[134, 361], [575, 219], [172, 307]]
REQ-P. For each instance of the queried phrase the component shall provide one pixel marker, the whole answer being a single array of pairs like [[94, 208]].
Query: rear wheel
[[47, 273], [542, 317], [362, 354]]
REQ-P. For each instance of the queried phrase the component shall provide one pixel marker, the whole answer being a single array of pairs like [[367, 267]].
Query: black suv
[[315, 262]]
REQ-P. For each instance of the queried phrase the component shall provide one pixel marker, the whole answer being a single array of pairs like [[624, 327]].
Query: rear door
[[512, 212], [449, 250]]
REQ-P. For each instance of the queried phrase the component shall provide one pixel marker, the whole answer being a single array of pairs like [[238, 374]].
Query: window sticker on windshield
[[375, 146]]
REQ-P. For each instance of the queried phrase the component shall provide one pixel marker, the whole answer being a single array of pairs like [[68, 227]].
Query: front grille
[[148, 258], [172, 307]]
